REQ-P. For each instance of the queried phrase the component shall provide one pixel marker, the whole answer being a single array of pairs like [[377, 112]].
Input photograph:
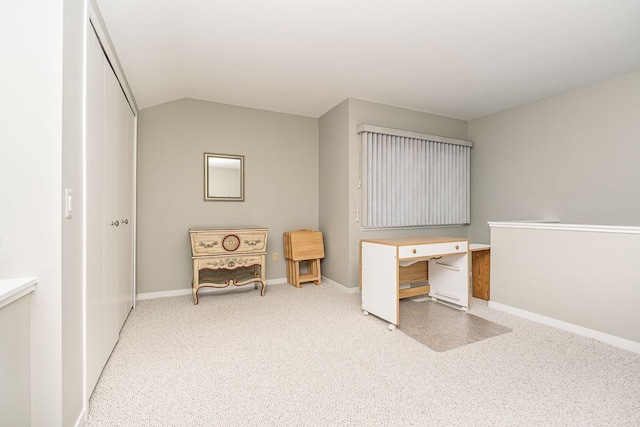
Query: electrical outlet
[[274, 257]]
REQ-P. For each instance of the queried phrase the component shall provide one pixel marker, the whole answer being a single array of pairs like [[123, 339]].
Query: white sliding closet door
[[109, 201], [95, 214], [125, 213], [111, 226]]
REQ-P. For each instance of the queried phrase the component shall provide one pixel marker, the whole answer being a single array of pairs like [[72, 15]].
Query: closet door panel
[[125, 292], [113, 225], [95, 217], [109, 195]]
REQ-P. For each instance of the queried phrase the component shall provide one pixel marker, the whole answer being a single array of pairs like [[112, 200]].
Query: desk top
[[420, 240], [479, 247]]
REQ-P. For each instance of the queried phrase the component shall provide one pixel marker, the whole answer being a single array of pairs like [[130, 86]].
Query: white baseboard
[[569, 327], [187, 291], [81, 421], [340, 286], [283, 280]]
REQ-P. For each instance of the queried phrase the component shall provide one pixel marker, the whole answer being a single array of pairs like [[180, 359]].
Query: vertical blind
[[409, 179]]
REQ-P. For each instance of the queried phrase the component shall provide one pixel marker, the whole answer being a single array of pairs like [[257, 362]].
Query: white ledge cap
[[554, 225], [13, 289]]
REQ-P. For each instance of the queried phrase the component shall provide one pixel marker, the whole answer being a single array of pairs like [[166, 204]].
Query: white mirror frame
[[223, 178]]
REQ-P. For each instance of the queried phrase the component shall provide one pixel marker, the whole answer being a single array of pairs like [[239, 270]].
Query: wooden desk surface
[[479, 247]]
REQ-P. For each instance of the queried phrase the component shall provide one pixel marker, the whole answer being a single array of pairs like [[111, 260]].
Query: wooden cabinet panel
[[480, 273]]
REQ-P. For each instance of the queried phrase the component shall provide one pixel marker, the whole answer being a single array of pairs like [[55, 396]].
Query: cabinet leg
[[195, 296], [264, 287]]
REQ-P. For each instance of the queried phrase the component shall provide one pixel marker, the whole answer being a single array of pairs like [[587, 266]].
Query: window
[[410, 179]]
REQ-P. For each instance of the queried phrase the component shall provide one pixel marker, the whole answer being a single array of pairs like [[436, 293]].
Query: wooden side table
[[228, 256], [480, 262]]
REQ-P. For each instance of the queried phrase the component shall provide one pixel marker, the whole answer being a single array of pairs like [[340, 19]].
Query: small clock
[[231, 242]]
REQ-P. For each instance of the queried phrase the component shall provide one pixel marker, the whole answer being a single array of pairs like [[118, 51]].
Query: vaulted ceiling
[[457, 58]]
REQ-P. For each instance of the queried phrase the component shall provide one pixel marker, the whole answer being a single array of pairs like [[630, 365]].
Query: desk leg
[[379, 271]]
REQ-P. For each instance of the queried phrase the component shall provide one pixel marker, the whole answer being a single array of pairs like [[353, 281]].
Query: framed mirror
[[223, 177]]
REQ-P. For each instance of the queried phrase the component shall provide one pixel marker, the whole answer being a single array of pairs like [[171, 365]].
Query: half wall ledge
[[13, 289], [579, 278]]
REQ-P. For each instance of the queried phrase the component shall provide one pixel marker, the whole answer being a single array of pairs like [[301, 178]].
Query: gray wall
[[281, 182], [569, 157], [334, 193], [572, 157]]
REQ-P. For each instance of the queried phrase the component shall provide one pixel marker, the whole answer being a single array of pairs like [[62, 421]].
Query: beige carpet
[[443, 328], [309, 357]]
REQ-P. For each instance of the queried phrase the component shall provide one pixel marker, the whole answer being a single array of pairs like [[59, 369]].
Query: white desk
[[381, 273]]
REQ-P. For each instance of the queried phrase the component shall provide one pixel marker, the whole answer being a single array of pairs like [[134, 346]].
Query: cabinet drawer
[[420, 251], [218, 242], [229, 262]]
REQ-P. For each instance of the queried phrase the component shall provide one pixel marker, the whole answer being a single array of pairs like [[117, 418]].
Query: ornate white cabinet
[[228, 256]]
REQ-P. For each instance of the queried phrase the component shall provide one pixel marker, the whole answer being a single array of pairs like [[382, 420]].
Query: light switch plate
[[68, 203]]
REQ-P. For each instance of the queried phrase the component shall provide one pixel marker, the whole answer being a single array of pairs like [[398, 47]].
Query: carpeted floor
[[443, 328], [309, 357]]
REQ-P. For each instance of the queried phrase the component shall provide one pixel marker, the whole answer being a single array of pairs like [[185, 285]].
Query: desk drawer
[[420, 251]]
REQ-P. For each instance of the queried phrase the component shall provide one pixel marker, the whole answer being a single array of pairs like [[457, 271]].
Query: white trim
[[569, 327], [134, 213], [164, 294], [188, 291], [95, 17], [81, 421], [567, 227], [410, 134], [14, 289], [347, 289], [279, 281], [85, 58]]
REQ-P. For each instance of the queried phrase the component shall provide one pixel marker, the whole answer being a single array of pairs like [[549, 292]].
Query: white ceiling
[[457, 58]]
